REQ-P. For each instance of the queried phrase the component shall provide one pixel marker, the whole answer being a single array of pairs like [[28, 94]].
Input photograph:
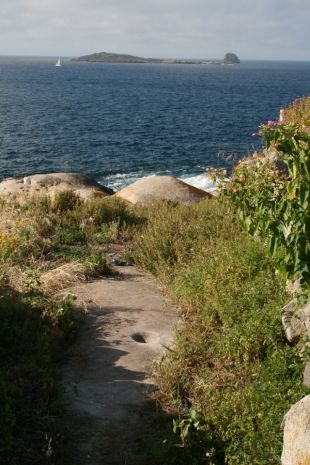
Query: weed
[[65, 201]]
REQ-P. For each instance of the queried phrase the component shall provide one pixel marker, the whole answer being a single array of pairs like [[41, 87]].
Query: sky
[[264, 29]]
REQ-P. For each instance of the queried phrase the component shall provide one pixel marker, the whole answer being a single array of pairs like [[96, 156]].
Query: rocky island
[[106, 57], [231, 59]]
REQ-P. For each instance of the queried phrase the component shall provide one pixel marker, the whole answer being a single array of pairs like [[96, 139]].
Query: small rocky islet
[[108, 57]]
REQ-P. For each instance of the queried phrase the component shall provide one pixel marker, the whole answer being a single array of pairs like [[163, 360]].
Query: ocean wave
[[118, 181], [201, 181]]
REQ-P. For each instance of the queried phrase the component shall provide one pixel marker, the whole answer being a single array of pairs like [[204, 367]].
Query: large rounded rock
[[50, 184], [155, 188], [296, 441]]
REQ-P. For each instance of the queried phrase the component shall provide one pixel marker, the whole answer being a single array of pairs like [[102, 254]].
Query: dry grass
[[57, 244], [62, 277], [297, 113]]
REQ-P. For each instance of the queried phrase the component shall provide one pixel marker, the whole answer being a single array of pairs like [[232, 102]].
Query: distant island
[[231, 59], [105, 57]]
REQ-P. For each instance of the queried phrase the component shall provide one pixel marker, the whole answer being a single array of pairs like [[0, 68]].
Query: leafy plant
[[275, 204]]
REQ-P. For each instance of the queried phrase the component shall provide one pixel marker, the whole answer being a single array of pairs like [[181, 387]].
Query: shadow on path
[[109, 419]]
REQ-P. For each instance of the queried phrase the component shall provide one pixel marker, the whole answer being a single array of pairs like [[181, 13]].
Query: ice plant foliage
[[276, 204]]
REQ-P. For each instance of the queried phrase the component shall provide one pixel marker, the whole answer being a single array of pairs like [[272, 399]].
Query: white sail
[[58, 62]]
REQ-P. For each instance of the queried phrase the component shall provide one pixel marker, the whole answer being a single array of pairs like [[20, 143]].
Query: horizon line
[[156, 58]]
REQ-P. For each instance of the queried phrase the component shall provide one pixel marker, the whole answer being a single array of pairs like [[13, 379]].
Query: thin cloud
[[270, 29]]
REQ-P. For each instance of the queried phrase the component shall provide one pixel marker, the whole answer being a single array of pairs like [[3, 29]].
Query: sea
[[121, 122]]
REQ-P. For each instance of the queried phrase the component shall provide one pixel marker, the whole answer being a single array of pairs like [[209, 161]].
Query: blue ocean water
[[119, 122]]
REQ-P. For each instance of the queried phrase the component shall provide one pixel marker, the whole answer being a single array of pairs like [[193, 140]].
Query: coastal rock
[[50, 184], [272, 155], [306, 379], [154, 188], [231, 59], [296, 441], [296, 323], [293, 287], [268, 158], [251, 162]]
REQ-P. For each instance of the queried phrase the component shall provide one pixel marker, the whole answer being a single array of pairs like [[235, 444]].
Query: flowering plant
[[273, 199]]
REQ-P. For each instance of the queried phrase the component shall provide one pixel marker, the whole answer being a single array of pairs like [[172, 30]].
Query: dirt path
[[107, 380]]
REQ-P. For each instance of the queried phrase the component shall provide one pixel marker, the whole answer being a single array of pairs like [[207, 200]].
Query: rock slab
[[296, 323], [152, 189], [306, 378], [50, 184], [296, 442]]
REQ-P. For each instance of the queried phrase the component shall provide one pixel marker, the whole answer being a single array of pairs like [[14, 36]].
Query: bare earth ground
[[107, 380]]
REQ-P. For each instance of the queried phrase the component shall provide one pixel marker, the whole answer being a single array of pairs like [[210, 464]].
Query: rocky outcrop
[[306, 378], [296, 441], [231, 59], [267, 158], [272, 155], [50, 184], [155, 188], [296, 323]]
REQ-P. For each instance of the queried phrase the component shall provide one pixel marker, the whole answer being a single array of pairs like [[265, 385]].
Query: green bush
[[106, 210], [97, 265], [65, 201], [275, 205]]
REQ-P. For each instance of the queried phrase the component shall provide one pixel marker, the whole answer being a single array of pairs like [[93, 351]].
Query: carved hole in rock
[[144, 337]]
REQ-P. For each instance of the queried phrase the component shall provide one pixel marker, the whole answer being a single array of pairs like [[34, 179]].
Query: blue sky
[[261, 29]]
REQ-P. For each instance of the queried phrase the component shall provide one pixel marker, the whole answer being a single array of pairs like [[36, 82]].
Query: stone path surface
[[107, 380]]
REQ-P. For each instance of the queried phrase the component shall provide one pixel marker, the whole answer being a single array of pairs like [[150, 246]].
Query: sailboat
[[58, 62]]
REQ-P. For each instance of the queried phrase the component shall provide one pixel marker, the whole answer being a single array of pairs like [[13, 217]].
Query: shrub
[[277, 206], [65, 201], [107, 210], [96, 265]]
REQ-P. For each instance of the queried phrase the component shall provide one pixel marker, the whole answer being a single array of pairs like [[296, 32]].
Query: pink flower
[[272, 123]]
